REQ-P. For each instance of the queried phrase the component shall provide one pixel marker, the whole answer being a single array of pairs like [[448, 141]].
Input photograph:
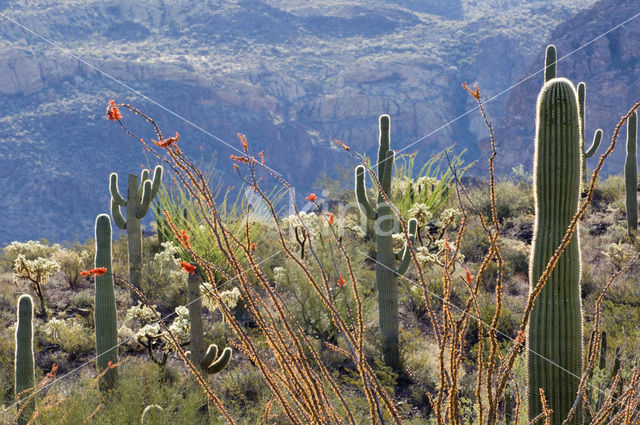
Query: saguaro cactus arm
[[213, 365], [550, 59], [149, 190], [361, 195], [113, 189], [597, 137], [405, 259]]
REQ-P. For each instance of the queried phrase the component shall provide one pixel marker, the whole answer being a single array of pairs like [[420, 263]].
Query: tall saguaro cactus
[[555, 328], [139, 197], [25, 375], [631, 176], [105, 305], [386, 269]]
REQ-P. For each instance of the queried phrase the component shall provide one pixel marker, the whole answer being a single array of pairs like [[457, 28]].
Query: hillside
[[290, 75]]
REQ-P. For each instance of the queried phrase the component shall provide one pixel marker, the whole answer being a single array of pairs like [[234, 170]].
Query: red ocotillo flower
[[113, 114], [94, 272], [312, 197], [189, 268]]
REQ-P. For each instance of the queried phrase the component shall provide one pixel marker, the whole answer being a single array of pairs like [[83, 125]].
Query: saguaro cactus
[[139, 197], [555, 329], [25, 375], [105, 306], [208, 362], [631, 176], [385, 258]]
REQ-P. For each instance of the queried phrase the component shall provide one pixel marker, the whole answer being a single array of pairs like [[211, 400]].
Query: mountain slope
[[291, 76]]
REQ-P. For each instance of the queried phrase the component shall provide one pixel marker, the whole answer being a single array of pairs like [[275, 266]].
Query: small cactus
[[24, 364], [105, 306], [152, 415], [597, 136], [211, 363]]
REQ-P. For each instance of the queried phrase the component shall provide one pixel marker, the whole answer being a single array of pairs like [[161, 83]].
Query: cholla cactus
[[36, 271]]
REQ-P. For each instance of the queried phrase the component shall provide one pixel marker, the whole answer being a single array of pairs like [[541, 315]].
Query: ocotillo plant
[[105, 305], [631, 176], [385, 258], [550, 71], [25, 376], [555, 330], [139, 197]]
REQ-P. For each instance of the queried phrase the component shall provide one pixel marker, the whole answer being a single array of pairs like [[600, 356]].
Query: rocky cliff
[[290, 75], [610, 67]]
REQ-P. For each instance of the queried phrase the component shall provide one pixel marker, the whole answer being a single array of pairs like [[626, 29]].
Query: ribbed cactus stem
[[211, 363], [550, 58], [384, 226], [597, 137], [196, 346], [105, 306], [555, 329], [631, 176], [24, 364], [139, 197]]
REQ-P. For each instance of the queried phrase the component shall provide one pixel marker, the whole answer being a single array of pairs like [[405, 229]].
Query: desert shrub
[[30, 250], [71, 263], [163, 280], [512, 200], [69, 334], [140, 384], [475, 244]]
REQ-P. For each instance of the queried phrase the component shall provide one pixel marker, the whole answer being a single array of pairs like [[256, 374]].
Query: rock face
[[291, 75], [610, 67]]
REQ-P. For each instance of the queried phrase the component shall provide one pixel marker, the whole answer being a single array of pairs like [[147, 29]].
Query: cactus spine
[[25, 375], [105, 305], [555, 328], [631, 176], [139, 198], [385, 257]]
